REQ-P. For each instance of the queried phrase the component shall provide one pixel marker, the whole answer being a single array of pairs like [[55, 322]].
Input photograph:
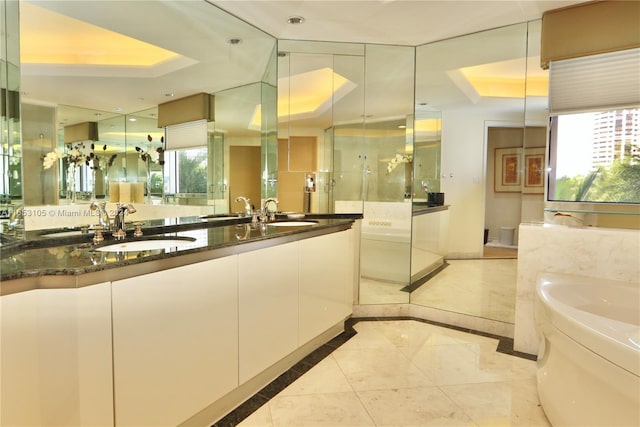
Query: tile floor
[[407, 373], [478, 287]]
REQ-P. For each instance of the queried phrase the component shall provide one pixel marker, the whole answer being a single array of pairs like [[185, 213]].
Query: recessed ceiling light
[[169, 94], [133, 119], [282, 54], [294, 20], [234, 41], [118, 109], [402, 127]]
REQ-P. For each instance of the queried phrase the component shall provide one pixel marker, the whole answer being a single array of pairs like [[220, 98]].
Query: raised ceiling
[[400, 22]]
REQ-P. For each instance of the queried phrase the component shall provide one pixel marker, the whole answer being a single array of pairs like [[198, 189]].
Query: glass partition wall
[[478, 85]]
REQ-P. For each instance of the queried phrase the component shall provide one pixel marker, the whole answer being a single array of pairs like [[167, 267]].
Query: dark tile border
[[505, 345], [421, 281]]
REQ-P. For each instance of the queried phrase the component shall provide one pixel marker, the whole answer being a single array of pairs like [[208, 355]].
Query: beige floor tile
[[513, 403], [367, 338], [325, 377], [415, 407], [260, 418], [415, 334], [480, 287], [330, 410], [470, 363], [378, 292], [374, 370], [409, 374]]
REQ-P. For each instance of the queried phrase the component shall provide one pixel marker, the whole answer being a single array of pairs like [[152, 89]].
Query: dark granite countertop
[[421, 208], [73, 254]]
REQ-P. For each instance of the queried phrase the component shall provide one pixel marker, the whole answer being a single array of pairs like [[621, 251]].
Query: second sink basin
[[146, 245]]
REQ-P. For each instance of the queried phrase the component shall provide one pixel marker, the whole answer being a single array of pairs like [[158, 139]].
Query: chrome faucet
[[119, 227], [16, 220], [103, 216], [266, 214], [247, 205]]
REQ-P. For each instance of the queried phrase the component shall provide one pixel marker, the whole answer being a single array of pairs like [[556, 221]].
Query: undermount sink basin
[[293, 223], [145, 245]]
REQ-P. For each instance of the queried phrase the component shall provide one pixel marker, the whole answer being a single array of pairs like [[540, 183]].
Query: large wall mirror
[[10, 148], [112, 68], [492, 96]]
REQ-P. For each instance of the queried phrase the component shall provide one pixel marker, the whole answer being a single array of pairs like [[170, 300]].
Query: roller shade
[[595, 82], [186, 135]]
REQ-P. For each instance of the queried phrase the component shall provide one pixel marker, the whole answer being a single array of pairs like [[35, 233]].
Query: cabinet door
[[56, 357], [174, 342], [326, 283], [268, 307]]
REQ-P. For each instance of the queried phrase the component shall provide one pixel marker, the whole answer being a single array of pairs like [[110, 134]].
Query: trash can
[[506, 235]]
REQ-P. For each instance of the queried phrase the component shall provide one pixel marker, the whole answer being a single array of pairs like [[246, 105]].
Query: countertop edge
[[428, 209]]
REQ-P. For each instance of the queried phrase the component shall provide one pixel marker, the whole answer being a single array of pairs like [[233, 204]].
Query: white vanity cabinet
[[175, 342], [268, 300], [180, 345], [56, 357], [326, 283]]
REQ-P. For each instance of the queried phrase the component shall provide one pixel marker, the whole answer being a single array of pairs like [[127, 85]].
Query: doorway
[[244, 174]]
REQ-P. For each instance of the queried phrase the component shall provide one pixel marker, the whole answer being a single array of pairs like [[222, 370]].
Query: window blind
[[595, 82], [186, 135]]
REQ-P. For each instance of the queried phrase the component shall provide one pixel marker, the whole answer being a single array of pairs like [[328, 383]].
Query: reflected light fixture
[[295, 20]]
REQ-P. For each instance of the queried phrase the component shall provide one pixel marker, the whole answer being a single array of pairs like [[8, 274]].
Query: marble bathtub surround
[[396, 372], [586, 251]]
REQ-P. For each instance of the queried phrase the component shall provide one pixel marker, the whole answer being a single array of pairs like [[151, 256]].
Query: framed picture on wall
[[507, 170], [533, 170]]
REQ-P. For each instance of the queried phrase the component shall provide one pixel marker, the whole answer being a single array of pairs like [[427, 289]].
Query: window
[[595, 156], [185, 171]]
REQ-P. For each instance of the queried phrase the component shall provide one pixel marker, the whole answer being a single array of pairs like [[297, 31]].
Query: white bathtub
[[385, 254], [589, 360]]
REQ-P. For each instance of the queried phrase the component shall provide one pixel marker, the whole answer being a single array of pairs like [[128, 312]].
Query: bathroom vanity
[[177, 335]]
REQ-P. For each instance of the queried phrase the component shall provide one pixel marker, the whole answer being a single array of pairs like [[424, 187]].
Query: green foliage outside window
[[618, 183], [192, 167]]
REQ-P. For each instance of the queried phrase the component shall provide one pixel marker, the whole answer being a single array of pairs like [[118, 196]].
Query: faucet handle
[[137, 232], [97, 236]]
